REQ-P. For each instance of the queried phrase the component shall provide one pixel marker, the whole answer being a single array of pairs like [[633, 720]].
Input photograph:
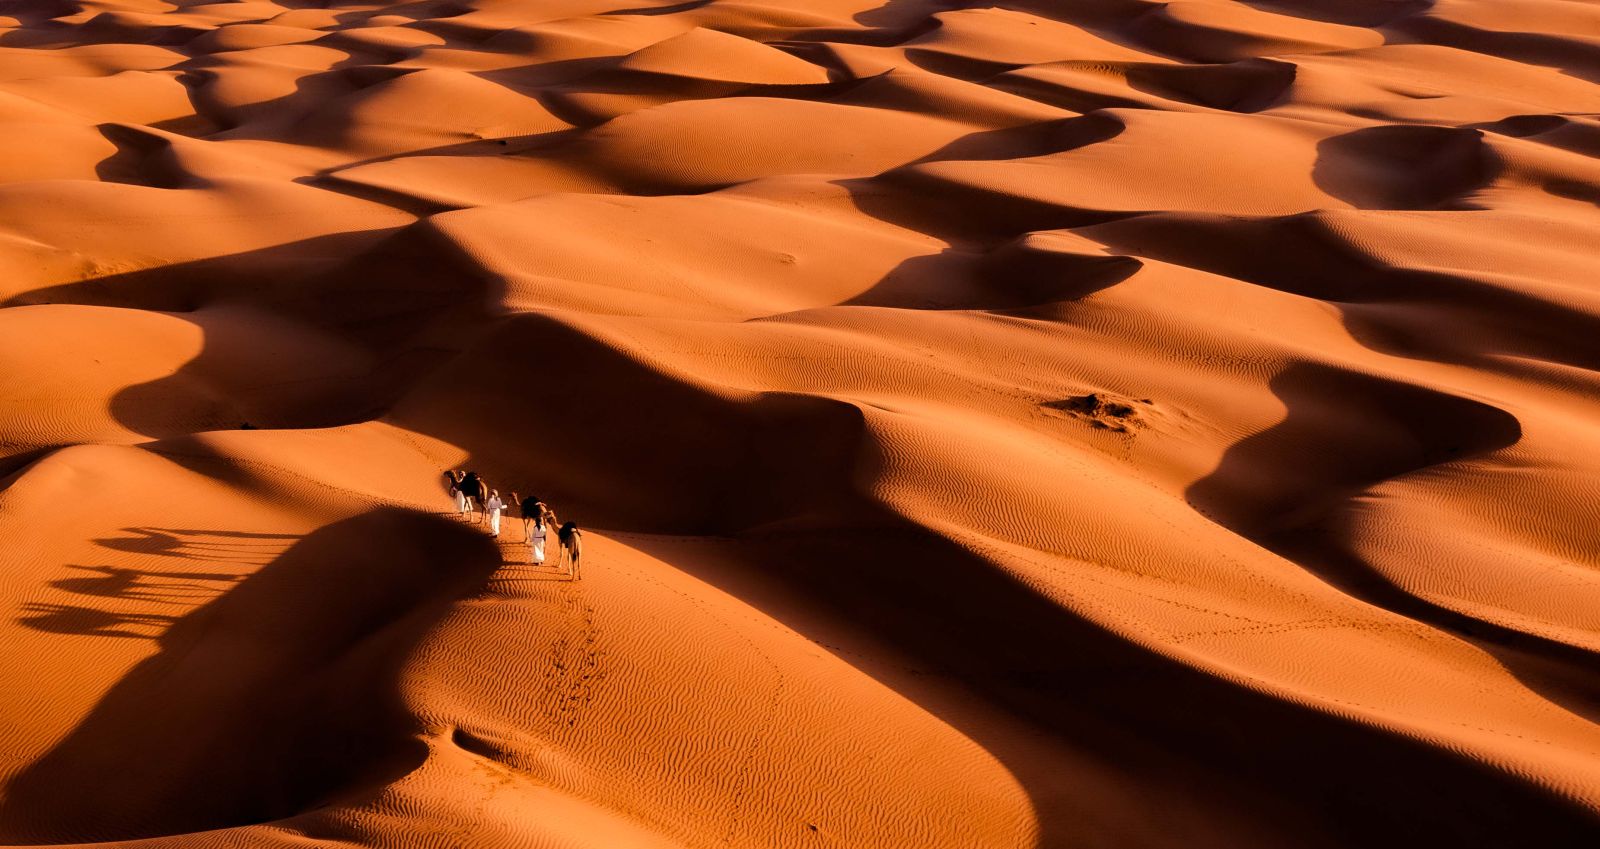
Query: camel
[[529, 508], [453, 478], [473, 488], [572, 547]]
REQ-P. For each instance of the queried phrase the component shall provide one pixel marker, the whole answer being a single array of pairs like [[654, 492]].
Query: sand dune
[[1095, 424]]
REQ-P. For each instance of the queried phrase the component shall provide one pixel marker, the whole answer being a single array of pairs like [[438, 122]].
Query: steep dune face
[[1090, 424]]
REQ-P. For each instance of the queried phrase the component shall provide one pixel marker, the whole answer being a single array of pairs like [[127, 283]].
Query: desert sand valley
[[1094, 424]]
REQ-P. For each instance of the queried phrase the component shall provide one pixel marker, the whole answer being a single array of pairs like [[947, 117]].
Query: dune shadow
[[278, 692], [893, 23], [1017, 275], [656, 11], [1343, 432], [1359, 13], [972, 215], [387, 302], [277, 695], [180, 287], [1406, 167], [999, 255], [1576, 57], [718, 465], [134, 149], [1193, 750], [1409, 310], [898, 14], [1187, 737], [1251, 85], [956, 66], [1040, 138], [570, 101], [1287, 487]]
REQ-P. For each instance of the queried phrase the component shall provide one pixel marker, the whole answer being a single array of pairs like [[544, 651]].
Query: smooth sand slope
[[1107, 423]]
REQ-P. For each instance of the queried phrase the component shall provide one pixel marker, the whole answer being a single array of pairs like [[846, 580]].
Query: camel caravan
[[478, 502]]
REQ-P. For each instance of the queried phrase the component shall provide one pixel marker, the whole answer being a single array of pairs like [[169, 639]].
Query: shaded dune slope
[[1109, 423]]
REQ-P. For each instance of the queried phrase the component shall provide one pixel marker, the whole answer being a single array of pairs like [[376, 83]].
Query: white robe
[[494, 506], [536, 535]]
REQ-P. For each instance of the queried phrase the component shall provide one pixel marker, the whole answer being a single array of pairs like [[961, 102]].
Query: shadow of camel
[[93, 622], [145, 585], [238, 546], [276, 696]]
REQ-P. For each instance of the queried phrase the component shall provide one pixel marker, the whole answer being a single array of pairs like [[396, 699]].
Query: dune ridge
[[1110, 423]]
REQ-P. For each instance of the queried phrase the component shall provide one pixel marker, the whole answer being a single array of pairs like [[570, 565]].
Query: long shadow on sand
[[1220, 764], [276, 696], [1159, 719], [1406, 167], [1188, 741], [203, 545], [234, 743], [161, 586], [398, 298], [1286, 489]]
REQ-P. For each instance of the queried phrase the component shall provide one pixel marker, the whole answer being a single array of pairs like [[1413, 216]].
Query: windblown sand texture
[[1088, 423]]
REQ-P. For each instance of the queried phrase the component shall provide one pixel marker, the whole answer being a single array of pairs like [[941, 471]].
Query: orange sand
[[1094, 423]]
